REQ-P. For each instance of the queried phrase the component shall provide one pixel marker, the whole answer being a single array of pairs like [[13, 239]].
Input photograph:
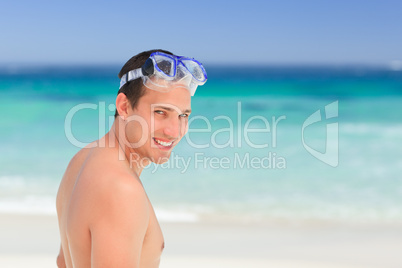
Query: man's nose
[[172, 128]]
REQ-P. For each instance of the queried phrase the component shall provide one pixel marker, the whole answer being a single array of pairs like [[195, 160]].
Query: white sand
[[33, 241], [47, 261]]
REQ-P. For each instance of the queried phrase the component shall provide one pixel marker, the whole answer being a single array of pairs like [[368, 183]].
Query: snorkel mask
[[160, 71]]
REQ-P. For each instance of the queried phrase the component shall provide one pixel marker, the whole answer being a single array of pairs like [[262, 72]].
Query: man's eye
[[183, 115], [159, 112]]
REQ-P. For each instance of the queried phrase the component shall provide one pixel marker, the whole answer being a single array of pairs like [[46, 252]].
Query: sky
[[218, 32]]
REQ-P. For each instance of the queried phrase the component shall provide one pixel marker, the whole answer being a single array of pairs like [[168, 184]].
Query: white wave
[[365, 128], [12, 181], [45, 205], [164, 215], [42, 205]]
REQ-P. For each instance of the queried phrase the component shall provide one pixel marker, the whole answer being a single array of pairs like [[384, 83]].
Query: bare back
[[90, 197]]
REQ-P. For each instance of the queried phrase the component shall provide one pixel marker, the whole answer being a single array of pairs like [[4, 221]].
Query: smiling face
[[158, 123]]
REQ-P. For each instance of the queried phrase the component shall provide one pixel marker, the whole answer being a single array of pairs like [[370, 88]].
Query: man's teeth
[[163, 143]]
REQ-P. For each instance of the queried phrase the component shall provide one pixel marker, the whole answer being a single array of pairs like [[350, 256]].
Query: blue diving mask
[[160, 71]]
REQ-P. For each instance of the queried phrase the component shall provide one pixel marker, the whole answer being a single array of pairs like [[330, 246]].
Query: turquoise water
[[230, 177]]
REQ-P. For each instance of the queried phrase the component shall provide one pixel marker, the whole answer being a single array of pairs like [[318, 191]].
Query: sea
[[287, 144]]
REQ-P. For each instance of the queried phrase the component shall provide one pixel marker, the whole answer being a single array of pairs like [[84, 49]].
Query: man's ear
[[123, 105]]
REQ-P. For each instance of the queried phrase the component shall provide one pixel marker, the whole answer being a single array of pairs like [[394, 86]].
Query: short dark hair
[[135, 89]]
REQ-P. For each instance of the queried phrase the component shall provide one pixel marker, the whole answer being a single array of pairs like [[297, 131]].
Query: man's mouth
[[165, 144]]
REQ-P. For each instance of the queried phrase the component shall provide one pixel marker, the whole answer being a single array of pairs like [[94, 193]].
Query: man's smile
[[166, 144]]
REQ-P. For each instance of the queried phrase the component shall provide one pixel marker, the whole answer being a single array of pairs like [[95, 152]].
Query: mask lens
[[195, 69], [165, 65]]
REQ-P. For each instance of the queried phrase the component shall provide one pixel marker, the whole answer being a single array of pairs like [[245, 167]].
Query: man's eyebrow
[[171, 109]]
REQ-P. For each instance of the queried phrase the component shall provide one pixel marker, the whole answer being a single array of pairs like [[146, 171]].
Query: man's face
[[158, 123]]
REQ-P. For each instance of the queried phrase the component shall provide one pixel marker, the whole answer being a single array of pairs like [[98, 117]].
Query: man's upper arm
[[118, 225]]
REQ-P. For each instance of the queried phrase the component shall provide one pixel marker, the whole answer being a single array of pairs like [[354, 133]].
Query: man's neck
[[125, 152]]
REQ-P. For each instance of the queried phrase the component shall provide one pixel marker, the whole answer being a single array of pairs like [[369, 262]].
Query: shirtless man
[[105, 217]]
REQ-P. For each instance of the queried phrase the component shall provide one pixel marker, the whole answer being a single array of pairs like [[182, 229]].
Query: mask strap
[[131, 75]]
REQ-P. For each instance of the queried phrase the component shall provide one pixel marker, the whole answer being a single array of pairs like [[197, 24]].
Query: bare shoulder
[[70, 176], [104, 171], [76, 163], [111, 189], [80, 157]]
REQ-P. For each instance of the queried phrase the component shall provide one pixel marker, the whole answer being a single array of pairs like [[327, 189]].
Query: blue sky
[[261, 32]]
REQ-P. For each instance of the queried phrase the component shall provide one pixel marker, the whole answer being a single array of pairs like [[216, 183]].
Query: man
[[105, 217]]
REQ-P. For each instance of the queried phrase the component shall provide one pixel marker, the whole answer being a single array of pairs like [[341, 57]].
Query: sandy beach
[[33, 240]]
